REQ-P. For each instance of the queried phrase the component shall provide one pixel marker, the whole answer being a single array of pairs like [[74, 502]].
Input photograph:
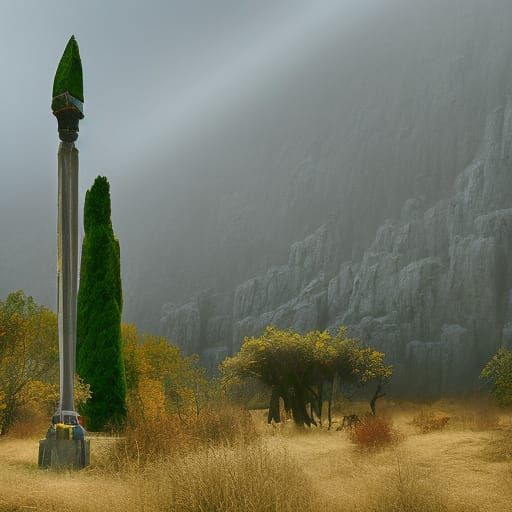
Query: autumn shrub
[[31, 421], [374, 432], [428, 421], [39, 402]]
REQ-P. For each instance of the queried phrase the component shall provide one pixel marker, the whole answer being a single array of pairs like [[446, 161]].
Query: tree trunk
[[320, 401], [273, 408], [9, 414], [299, 409], [331, 400], [378, 394]]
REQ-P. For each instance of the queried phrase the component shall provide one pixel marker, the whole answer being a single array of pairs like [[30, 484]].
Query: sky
[[148, 66], [154, 72]]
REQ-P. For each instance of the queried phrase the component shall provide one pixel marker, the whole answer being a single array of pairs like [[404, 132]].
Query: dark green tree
[[99, 343]]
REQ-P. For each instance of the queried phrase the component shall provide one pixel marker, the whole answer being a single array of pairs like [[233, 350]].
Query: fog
[[152, 73], [230, 129]]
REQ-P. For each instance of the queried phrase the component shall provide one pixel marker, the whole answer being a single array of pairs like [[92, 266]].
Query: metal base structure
[[64, 453], [66, 445]]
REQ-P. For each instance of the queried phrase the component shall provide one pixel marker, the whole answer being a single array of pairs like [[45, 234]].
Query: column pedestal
[[64, 453]]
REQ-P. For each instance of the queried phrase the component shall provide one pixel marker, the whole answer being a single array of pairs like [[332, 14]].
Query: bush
[[374, 432], [428, 421], [31, 421], [498, 373]]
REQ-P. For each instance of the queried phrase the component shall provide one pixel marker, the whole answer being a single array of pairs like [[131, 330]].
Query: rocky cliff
[[350, 125], [433, 290]]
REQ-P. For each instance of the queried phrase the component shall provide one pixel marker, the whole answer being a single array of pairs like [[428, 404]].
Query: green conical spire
[[68, 77]]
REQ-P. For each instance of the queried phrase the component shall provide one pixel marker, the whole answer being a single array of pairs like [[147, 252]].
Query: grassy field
[[464, 466]]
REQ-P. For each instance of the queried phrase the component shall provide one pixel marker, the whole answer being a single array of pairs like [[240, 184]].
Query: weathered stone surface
[[213, 356], [423, 367], [459, 361], [182, 326], [433, 290], [340, 290]]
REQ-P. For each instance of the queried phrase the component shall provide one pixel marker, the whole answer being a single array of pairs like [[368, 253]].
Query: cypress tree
[[99, 306]]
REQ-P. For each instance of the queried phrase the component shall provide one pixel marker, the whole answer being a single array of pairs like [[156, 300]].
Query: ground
[[466, 467], [463, 466]]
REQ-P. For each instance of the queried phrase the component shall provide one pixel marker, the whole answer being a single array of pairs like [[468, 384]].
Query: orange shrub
[[373, 432], [428, 421]]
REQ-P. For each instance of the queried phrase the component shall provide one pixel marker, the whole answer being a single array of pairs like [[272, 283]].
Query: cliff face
[[351, 125], [433, 290]]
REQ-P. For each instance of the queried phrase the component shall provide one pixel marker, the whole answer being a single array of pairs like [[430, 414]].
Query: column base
[[64, 453]]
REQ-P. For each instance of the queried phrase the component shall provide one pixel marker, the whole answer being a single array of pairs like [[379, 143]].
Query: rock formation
[[433, 290], [354, 125]]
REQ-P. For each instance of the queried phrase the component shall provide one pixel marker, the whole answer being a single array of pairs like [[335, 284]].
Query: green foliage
[[68, 77], [298, 367], [28, 354], [99, 347], [498, 372]]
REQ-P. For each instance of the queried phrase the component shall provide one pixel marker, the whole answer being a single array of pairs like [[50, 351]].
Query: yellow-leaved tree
[[299, 368], [160, 380], [28, 353]]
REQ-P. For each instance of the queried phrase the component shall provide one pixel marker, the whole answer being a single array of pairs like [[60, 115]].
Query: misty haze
[[286, 166]]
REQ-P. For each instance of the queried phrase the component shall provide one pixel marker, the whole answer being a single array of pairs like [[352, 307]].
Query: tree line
[[159, 379], [303, 372]]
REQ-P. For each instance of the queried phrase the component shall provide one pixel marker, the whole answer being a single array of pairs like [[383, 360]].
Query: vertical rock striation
[[433, 290]]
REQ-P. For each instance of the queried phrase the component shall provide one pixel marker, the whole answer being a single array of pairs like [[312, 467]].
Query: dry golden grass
[[459, 468], [24, 487], [169, 435], [252, 479], [219, 478], [450, 470]]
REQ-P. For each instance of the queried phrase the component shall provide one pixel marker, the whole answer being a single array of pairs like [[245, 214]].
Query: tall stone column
[[65, 445], [67, 264]]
